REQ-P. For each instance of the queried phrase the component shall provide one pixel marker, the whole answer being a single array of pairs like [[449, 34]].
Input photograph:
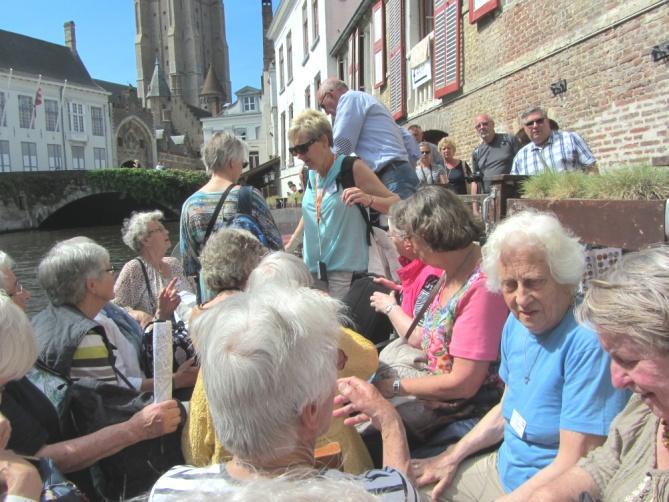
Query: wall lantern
[[559, 87], [660, 52]]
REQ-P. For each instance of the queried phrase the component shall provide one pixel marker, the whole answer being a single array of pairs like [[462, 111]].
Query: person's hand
[[155, 420], [18, 476], [387, 283], [5, 431], [439, 469], [186, 374], [385, 387], [168, 301], [360, 402], [380, 301], [354, 195], [141, 317]]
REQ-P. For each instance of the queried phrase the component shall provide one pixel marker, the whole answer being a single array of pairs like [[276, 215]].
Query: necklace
[[528, 371], [665, 434]]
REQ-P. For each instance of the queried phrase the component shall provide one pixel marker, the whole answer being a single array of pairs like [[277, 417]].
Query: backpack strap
[[346, 180], [244, 204], [148, 285]]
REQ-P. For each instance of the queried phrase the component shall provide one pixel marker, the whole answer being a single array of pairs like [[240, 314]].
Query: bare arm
[[299, 230], [462, 382], [441, 469], [567, 487], [368, 190], [76, 454], [573, 446]]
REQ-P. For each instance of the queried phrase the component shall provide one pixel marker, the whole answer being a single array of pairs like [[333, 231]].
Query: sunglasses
[[320, 103], [301, 149], [534, 122]]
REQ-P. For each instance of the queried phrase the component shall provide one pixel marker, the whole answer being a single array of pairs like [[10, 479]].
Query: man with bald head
[[494, 155]]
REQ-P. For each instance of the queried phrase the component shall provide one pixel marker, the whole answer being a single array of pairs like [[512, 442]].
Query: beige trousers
[[476, 481]]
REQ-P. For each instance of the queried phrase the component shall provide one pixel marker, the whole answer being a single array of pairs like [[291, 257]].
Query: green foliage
[[169, 187], [625, 183]]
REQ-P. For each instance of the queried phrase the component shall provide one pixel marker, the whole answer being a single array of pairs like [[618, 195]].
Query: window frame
[[31, 155], [100, 120], [26, 107], [77, 116], [5, 154], [99, 161], [78, 163], [484, 7], [55, 159], [51, 116]]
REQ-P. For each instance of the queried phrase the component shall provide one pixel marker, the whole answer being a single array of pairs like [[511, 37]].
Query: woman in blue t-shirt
[[335, 232]]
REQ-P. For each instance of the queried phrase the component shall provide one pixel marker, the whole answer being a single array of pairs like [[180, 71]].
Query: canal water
[[28, 247]]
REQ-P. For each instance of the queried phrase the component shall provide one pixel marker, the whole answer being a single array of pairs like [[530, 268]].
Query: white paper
[[162, 361]]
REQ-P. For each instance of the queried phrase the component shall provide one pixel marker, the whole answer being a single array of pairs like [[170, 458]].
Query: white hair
[[280, 268], [264, 357], [564, 254], [19, 348], [6, 263], [62, 273], [222, 148], [136, 228]]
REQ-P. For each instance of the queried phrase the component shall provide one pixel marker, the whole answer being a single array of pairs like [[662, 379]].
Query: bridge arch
[[135, 141]]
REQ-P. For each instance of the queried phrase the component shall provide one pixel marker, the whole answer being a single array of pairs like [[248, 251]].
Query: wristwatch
[[389, 307], [396, 387]]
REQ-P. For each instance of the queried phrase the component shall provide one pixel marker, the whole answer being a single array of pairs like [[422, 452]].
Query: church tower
[[187, 37]]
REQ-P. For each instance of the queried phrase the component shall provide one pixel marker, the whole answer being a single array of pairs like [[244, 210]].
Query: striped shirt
[[91, 359], [563, 151], [214, 481]]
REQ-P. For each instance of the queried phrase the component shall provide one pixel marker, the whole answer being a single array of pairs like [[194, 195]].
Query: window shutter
[[352, 61], [379, 44], [446, 47], [396, 68]]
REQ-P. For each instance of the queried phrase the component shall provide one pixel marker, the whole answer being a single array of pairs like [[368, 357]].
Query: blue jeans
[[400, 178], [443, 438]]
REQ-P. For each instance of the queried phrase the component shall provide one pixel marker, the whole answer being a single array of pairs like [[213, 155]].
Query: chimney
[[70, 37]]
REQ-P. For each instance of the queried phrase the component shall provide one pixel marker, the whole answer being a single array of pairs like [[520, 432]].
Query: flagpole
[[4, 106], [32, 119], [62, 100], [60, 124]]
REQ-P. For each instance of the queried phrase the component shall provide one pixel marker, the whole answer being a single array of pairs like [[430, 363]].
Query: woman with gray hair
[[10, 283], [558, 401], [148, 286], [628, 309], [269, 371], [224, 156]]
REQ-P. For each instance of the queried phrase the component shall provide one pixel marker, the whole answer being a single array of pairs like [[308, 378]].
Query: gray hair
[[441, 219], [281, 268], [333, 84], [273, 351], [534, 109], [229, 257], [19, 348], [632, 301], [397, 217], [6, 263], [62, 273], [313, 123], [136, 228], [221, 149], [564, 254]]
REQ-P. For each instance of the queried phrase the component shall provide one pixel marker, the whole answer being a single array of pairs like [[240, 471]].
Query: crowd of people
[[497, 382]]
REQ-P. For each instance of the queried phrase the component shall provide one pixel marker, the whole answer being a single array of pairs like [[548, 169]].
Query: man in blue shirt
[[551, 150], [362, 125]]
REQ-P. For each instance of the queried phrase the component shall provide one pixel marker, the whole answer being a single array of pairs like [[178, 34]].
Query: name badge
[[518, 423], [331, 189]]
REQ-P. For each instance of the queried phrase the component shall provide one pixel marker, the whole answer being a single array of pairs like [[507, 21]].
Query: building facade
[[53, 116], [187, 38], [599, 71]]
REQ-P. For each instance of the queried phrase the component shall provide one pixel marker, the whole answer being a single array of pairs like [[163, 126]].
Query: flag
[[38, 97], [36, 102]]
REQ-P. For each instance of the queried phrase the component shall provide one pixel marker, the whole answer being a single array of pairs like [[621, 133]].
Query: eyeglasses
[[301, 149], [425, 153], [531, 123], [110, 270], [19, 289], [320, 103]]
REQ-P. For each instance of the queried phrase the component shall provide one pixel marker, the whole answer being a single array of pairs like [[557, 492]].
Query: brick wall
[[617, 98]]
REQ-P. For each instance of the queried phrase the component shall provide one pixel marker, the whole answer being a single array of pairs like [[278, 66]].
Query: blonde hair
[[313, 123], [445, 141]]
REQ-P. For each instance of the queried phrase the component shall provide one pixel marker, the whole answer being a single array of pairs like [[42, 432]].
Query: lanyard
[[318, 202]]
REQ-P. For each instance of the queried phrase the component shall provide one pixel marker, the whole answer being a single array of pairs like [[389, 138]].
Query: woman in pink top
[[462, 326]]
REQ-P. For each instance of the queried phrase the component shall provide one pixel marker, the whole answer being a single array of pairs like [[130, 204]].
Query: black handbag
[[55, 486]]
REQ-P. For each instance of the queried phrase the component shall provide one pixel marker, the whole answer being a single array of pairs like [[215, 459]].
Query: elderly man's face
[[15, 290], [537, 128], [417, 134], [530, 291], [485, 128], [328, 101]]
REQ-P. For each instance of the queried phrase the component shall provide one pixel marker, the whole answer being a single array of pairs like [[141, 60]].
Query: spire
[[158, 87], [211, 86]]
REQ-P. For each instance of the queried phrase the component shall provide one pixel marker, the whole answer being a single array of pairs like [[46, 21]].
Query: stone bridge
[[57, 199]]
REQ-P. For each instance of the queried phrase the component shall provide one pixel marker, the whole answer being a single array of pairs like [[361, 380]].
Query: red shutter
[[479, 9], [379, 44], [396, 70], [446, 68], [352, 61]]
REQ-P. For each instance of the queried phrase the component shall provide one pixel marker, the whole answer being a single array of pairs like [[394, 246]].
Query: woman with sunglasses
[[335, 233], [223, 156], [427, 170]]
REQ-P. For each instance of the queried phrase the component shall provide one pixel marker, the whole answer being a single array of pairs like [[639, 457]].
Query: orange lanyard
[[318, 201]]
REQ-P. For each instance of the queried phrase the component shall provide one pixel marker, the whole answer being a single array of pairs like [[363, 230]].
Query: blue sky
[[105, 31]]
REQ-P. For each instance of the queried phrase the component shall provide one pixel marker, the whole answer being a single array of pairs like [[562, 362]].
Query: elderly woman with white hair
[[269, 371], [75, 338], [148, 286], [220, 200], [628, 309], [10, 283], [559, 400]]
